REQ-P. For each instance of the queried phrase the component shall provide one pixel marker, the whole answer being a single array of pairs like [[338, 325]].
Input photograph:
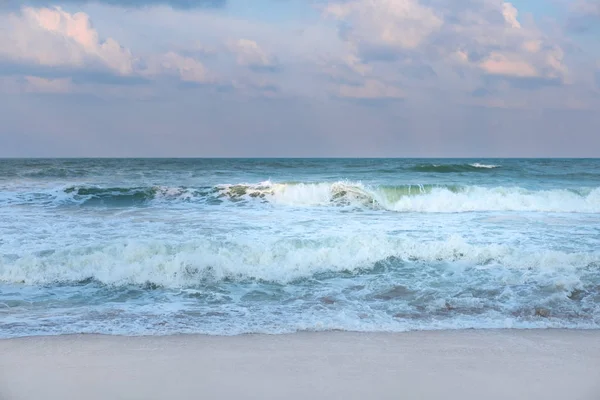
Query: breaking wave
[[486, 166], [403, 198], [194, 262]]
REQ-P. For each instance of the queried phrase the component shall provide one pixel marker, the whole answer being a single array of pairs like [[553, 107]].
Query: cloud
[[508, 65], [443, 70], [421, 46], [52, 44], [403, 24], [55, 38], [35, 84], [249, 54], [348, 68], [510, 13], [182, 4], [187, 69], [471, 39]]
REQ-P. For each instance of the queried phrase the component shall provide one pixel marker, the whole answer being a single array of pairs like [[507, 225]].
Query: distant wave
[[454, 168], [401, 198], [55, 172], [487, 166]]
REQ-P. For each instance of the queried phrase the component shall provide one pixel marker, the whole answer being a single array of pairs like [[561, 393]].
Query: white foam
[[487, 166], [500, 199], [181, 264], [436, 199]]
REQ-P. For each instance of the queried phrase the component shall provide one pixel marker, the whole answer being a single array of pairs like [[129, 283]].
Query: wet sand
[[505, 364]]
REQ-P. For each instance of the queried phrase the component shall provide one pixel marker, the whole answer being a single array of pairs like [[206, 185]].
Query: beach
[[462, 364]]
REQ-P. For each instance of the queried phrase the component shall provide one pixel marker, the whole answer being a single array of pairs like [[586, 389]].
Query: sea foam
[[420, 198], [197, 261]]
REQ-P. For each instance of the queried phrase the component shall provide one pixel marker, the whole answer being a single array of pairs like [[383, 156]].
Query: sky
[[292, 78]]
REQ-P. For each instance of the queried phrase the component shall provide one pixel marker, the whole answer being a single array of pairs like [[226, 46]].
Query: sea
[[273, 246]]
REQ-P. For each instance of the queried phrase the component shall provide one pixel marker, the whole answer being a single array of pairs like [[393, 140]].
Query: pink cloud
[[508, 65], [53, 37]]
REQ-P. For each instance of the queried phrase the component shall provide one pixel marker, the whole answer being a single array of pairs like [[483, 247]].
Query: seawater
[[232, 246]]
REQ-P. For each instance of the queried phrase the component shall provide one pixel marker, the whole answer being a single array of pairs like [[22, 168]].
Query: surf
[[195, 262], [428, 198], [417, 198]]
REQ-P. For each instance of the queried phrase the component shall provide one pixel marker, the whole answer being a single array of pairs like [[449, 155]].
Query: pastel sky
[[292, 78]]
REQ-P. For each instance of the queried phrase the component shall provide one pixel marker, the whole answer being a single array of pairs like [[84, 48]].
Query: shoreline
[[462, 364], [303, 332]]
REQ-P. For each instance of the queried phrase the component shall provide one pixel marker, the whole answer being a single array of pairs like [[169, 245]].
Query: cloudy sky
[[400, 78]]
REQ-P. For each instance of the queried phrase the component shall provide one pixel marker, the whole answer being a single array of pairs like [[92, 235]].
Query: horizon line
[[301, 158]]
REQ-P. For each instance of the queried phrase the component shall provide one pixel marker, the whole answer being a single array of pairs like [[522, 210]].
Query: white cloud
[[508, 65], [346, 67], [250, 54], [532, 46], [396, 23], [422, 46], [485, 37], [510, 13], [52, 37], [187, 69]]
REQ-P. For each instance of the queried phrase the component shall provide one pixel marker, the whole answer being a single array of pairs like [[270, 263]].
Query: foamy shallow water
[[275, 246]]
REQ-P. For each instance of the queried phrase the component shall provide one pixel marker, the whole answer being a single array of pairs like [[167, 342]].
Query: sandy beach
[[517, 364]]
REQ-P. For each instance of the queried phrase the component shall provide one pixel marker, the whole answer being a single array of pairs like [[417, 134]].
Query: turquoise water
[[163, 246]]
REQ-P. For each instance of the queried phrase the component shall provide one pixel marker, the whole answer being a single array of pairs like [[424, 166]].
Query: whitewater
[[225, 247]]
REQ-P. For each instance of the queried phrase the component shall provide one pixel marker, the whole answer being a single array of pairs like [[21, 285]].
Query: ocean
[[234, 246]]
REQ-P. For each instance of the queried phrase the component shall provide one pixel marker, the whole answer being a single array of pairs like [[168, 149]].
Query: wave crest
[[355, 195], [419, 198], [486, 166], [454, 168], [191, 263]]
